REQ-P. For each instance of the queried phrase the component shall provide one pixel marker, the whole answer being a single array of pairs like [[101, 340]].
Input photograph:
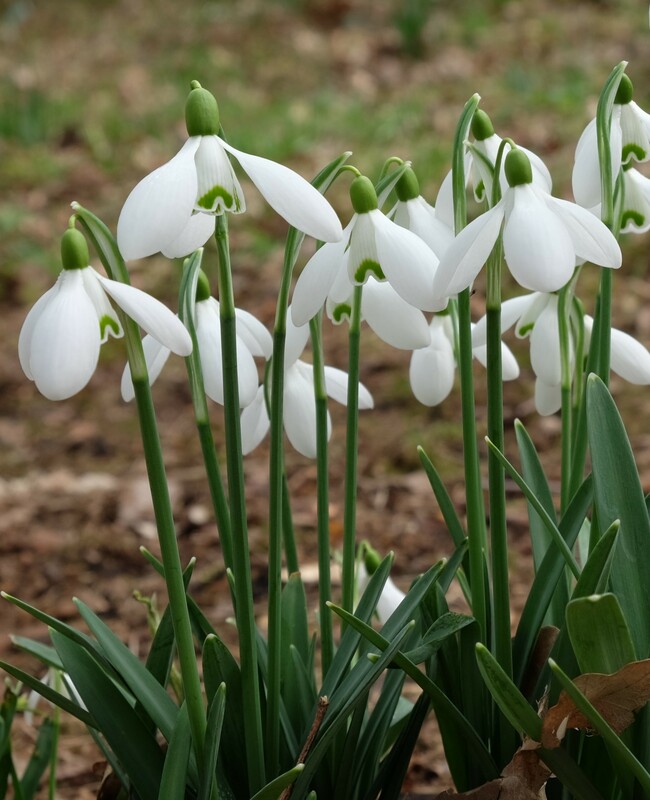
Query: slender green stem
[[54, 756], [351, 455], [496, 476], [217, 491], [564, 307], [241, 558], [322, 498], [288, 532]]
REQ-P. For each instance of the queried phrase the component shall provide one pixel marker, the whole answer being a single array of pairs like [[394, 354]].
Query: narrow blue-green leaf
[[298, 692], [54, 697], [618, 495], [174, 775], [43, 652], [145, 688], [216, 713], [447, 508], [614, 743], [445, 626], [161, 653], [539, 508], [595, 573], [546, 579], [40, 759], [274, 789], [295, 623], [599, 634], [124, 731]]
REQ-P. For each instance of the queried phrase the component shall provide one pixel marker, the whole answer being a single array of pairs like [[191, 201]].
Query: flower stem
[[352, 438], [241, 558], [322, 500]]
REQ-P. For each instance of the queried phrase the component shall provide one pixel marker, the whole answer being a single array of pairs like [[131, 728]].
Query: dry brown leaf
[[616, 697]]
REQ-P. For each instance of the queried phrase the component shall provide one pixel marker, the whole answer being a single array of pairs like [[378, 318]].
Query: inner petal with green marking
[[109, 326], [367, 268]]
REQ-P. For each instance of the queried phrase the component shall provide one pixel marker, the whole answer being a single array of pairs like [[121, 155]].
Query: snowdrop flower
[[433, 368], [299, 402], [543, 237], [172, 209], [391, 596], [629, 139], [253, 340], [60, 339], [372, 246]]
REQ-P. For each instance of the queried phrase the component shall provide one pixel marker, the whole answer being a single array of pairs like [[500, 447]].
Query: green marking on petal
[[219, 200], [635, 217], [367, 268], [107, 322], [525, 329], [341, 311], [635, 151]]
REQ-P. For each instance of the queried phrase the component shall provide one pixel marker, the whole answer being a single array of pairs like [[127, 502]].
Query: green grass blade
[[618, 495]]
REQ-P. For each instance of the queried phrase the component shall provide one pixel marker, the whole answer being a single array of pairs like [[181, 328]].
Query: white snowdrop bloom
[[372, 246], [543, 237], [389, 599], [629, 359], [299, 405], [172, 210], [635, 215], [629, 140], [252, 339], [433, 368], [61, 337]]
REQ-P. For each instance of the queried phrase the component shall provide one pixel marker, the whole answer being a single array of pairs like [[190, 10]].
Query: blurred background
[[91, 100]]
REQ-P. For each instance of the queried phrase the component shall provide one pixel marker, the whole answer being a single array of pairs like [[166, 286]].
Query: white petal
[[159, 207], [155, 356], [586, 169], [389, 599], [300, 409], [218, 189], [393, 319], [548, 399], [109, 322], [296, 341], [468, 253], [629, 358], [254, 423], [445, 200], [529, 316], [537, 246], [635, 128], [635, 216], [315, 281], [420, 218], [407, 262], [511, 310], [336, 383], [150, 314], [291, 196], [254, 335], [199, 228], [545, 345], [509, 366], [26, 332], [65, 340], [363, 259], [432, 369], [592, 240]]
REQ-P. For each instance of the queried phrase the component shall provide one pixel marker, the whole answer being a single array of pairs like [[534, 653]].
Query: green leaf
[[174, 774], [145, 688], [123, 729], [274, 789], [447, 508], [445, 626], [43, 652], [595, 573], [599, 634], [40, 758], [216, 713], [295, 624], [618, 495]]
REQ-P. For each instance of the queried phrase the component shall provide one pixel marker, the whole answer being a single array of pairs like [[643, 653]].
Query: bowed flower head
[[60, 339], [172, 209], [543, 237]]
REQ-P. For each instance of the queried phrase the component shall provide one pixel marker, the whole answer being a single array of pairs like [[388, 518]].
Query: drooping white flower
[[391, 596], [629, 140], [299, 414], [172, 210], [543, 237], [433, 368], [252, 340], [59, 681], [372, 246], [61, 337]]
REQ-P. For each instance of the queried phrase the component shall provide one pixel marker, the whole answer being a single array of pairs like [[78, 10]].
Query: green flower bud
[[517, 168], [408, 186], [624, 92], [482, 127], [74, 250], [202, 287], [363, 195], [201, 112], [371, 558]]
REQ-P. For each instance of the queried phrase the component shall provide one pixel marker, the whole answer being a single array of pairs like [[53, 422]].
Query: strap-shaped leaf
[[447, 508], [599, 633], [274, 789], [214, 727], [40, 758], [44, 653], [174, 775]]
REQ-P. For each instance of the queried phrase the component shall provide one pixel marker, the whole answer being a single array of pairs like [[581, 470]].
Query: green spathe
[[517, 168], [482, 127], [363, 195], [201, 112], [408, 186], [74, 250]]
